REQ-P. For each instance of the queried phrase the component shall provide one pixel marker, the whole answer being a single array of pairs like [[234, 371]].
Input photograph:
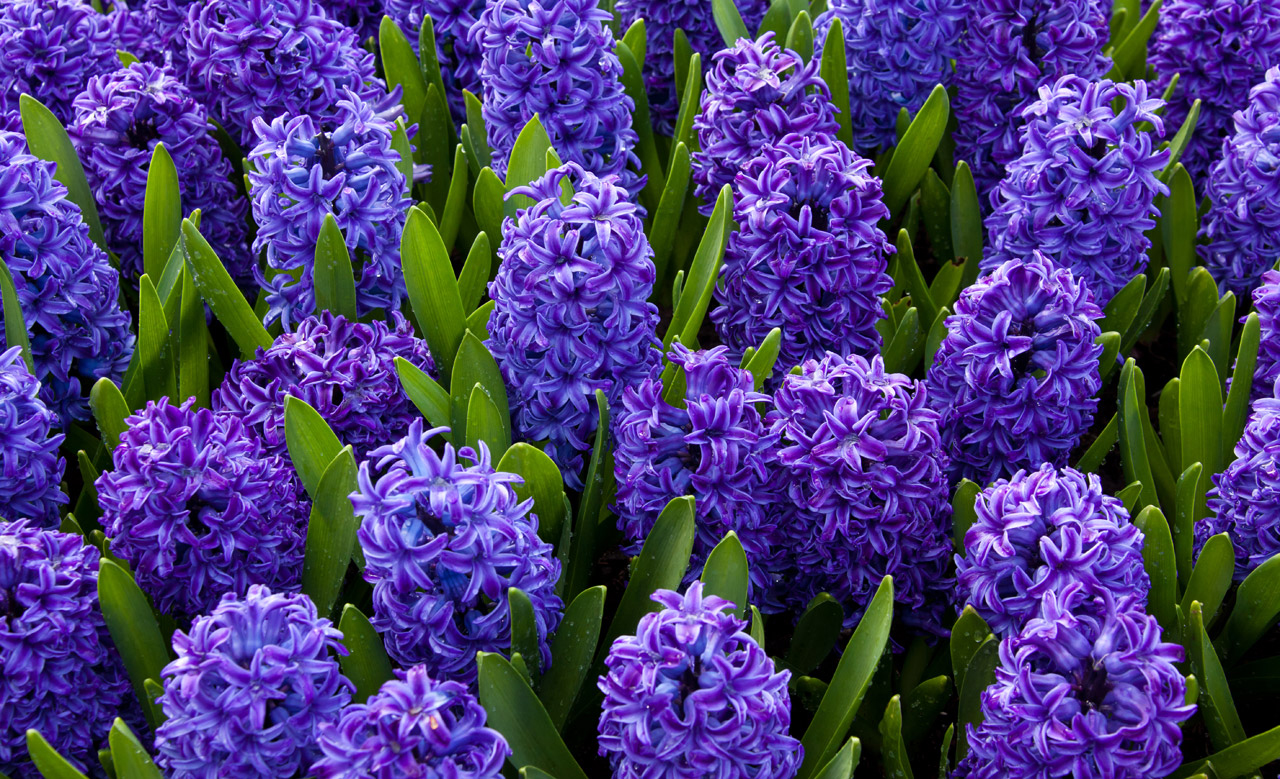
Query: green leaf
[[667, 218], [400, 67], [1122, 309], [573, 648], [849, 684], [15, 325], [153, 350], [475, 120], [1179, 143], [646, 147], [914, 153], [933, 340], [434, 143], [161, 213], [1200, 412], [47, 139], [944, 760], [765, 358], [842, 765], [524, 628], [923, 705], [978, 675], [1129, 60], [430, 398], [487, 202], [1236, 412], [963, 513], [221, 293], [528, 162], [966, 223], [725, 572], [690, 98], [1091, 460], [433, 290], [331, 533], [728, 22], [474, 365], [1211, 577], [661, 565], [333, 277], [778, 20], [515, 712], [366, 663], [1179, 223], [542, 482], [128, 755], [311, 443], [193, 342], [1162, 567], [896, 763], [585, 528], [1110, 343], [686, 320], [904, 349], [1170, 430], [109, 410], [910, 277], [800, 37], [1255, 612], [474, 278], [134, 630], [1190, 507], [1195, 311], [935, 210], [1217, 331], [1133, 447], [834, 69], [1156, 292], [967, 637], [486, 423], [1240, 759], [478, 321], [815, 634], [50, 764], [1216, 706]]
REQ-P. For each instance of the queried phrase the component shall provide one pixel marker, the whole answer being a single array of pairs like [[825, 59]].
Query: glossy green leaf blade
[[475, 365], [1129, 60], [765, 358], [1161, 565], [1211, 577], [1091, 460], [725, 572], [923, 705], [515, 712], [50, 764], [109, 411], [333, 277], [433, 290], [542, 482], [690, 99], [485, 423], [47, 139], [221, 293], [967, 636], [1216, 704], [1178, 225], [134, 630], [428, 396], [573, 648], [528, 162], [128, 755], [474, 278], [897, 765], [451, 216], [815, 634], [915, 151], [687, 318], [366, 663], [1188, 507], [1255, 612], [1133, 448], [153, 348], [834, 69], [311, 443], [1235, 414], [331, 533], [667, 218], [979, 675], [963, 512], [1239, 759], [1200, 411], [193, 342], [161, 213], [15, 324], [728, 21], [843, 764], [593, 500], [524, 629], [661, 565]]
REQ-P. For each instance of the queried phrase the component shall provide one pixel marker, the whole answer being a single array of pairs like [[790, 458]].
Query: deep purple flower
[[897, 51], [661, 20], [259, 59], [51, 49], [30, 466], [1219, 49], [692, 695], [444, 537], [1011, 48], [59, 672], [712, 444], [414, 727], [557, 60], [458, 54], [1040, 532], [152, 31], [1266, 301], [362, 16], [119, 119], [1241, 232], [304, 169], [1245, 499], [198, 509], [756, 94], [344, 370], [1090, 694], [1083, 191], [252, 683], [809, 256], [861, 465], [68, 290], [1016, 376], [571, 312]]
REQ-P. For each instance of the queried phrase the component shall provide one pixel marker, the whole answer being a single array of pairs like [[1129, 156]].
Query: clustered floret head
[[456, 51], [30, 467], [1266, 302], [1245, 499]]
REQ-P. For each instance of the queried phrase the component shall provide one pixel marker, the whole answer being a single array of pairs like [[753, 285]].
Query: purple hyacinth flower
[[1245, 499], [1083, 191], [571, 312], [861, 466], [259, 59], [661, 20], [457, 52], [1266, 302], [444, 538], [415, 726], [1016, 376], [51, 50], [252, 683], [1011, 48], [67, 288], [1219, 49], [362, 16], [152, 31], [344, 370], [557, 60], [59, 671], [1091, 693], [756, 94], [30, 467], [199, 509], [1040, 532], [304, 169], [119, 119], [691, 695], [897, 51], [710, 443], [809, 255], [1241, 232]]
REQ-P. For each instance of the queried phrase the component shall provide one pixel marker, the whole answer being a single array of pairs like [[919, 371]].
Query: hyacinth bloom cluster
[[1041, 532], [305, 169], [252, 59], [59, 672], [344, 370], [1083, 192], [415, 726], [30, 467], [151, 30], [1219, 49], [1266, 303], [1016, 375], [67, 288], [1091, 693], [557, 60], [571, 312], [456, 51], [661, 20], [809, 255], [119, 119], [252, 683], [691, 695], [1010, 49], [444, 538], [1241, 231], [861, 466], [897, 51], [1245, 499], [756, 94], [198, 509], [362, 16], [51, 49], [712, 445]]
